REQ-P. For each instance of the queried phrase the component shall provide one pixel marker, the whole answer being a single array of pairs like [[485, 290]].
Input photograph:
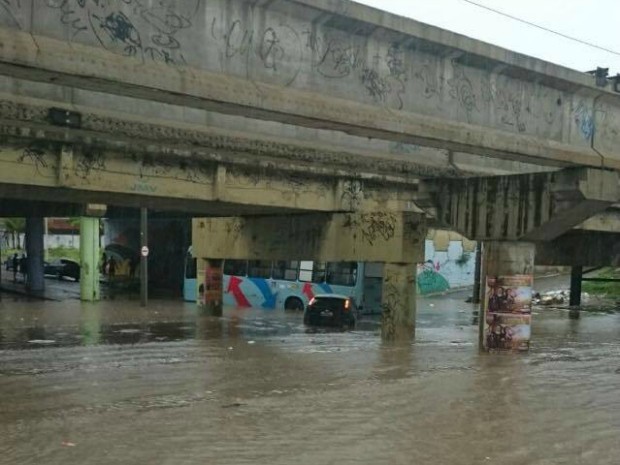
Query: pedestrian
[[23, 267], [104, 263], [133, 264], [111, 267], [15, 263]]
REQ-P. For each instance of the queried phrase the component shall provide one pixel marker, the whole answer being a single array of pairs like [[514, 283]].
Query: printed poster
[[213, 285], [508, 313]]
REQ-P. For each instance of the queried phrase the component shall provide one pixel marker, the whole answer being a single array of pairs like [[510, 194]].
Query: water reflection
[[167, 384]]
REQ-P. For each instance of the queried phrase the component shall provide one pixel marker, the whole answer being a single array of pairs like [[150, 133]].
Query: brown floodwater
[[114, 383]]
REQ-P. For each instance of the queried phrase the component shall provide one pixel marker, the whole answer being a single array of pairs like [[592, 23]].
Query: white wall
[[448, 264]]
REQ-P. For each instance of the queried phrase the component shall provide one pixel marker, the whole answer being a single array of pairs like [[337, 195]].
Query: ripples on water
[[164, 385]]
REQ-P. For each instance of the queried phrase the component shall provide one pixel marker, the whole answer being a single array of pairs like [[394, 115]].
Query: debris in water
[[67, 444], [251, 342], [41, 341], [234, 404]]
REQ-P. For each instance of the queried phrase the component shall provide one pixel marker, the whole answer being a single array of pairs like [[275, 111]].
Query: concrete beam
[[442, 102], [105, 176], [580, 248], [531, 207], [607, 221], [374, 237]]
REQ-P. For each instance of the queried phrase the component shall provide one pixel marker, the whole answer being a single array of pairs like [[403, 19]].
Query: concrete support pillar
[[477, 275], [576, 276], [35, 230], [398, 302], [508, 269], [89, 258], [214, 287]]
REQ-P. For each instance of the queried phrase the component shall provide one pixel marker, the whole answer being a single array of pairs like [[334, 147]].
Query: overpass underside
[[329, 120]]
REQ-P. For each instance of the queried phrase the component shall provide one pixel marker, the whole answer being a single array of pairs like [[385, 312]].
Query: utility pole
[[144, 253]]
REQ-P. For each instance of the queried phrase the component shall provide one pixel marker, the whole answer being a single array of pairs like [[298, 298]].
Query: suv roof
[[331, 296]]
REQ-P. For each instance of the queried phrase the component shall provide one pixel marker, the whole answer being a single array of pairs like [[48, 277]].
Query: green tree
[[13, 227]]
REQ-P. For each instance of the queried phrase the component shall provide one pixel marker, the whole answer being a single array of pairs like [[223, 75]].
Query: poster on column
[[508, 310], [213, 285]]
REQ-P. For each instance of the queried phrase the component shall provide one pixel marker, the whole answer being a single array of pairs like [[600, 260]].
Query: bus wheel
[[293, 303]]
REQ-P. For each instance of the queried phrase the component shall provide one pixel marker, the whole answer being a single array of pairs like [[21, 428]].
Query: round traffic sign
[[144, 251]]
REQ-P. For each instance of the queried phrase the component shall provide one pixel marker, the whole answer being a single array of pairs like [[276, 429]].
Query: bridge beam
[[580, 248], [41, 172], [528, 207], [374, 237], [45, 59]]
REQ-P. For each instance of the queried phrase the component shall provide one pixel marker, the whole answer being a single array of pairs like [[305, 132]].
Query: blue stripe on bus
[[326, 287], [265, 289]]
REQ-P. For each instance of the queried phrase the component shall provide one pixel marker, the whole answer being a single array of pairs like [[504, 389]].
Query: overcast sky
[[590, 20]]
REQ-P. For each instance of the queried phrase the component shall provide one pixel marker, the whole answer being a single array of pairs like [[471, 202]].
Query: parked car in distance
[[63, 267], [331, 310]]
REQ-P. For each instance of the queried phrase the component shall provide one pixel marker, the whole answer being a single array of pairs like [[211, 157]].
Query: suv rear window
[[325, 303]]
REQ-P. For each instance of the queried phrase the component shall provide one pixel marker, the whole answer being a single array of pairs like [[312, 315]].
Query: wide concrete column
[[89, 258], [508, 269], [398, 301], [35, 231]]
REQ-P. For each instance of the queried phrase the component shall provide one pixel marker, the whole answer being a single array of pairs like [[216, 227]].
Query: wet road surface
[[113, 383]]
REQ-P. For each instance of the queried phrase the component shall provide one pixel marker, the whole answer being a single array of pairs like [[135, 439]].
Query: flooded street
[[113, 383]]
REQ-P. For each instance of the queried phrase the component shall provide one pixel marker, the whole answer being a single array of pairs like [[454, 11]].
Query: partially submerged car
[[63, 267], [331, 310]]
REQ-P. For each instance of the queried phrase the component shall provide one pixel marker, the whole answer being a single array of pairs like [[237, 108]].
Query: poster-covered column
[[508, 269], [213, 289]]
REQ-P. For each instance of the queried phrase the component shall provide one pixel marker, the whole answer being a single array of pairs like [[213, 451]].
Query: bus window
[[285, 270], [236, 267], [259, 269], [318, 272], [342, 273], [305, 271]]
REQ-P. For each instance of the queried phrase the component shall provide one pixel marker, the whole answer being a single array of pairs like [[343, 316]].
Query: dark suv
[[331, 310], [62, 267]]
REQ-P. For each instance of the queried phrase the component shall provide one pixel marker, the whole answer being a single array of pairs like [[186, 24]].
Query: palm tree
[[13, 227]]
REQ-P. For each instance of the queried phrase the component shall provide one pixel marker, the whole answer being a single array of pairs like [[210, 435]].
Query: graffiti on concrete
[[353, 194], [36, 156], [448, 265], [584, 119], [262, 44], [273, 53], [430, 280], [337, 56], [139, 28], [391, 303], [13, 11], [462, 90], [88, 162], [432, 85], [372, 227]]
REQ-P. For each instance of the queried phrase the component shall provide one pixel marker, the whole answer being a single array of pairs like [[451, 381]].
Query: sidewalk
[[55, 290]]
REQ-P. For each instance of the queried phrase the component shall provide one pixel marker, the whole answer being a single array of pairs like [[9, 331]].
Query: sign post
[[144, 253]]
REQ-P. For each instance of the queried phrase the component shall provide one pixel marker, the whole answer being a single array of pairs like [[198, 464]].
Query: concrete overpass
[[237, 108]]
